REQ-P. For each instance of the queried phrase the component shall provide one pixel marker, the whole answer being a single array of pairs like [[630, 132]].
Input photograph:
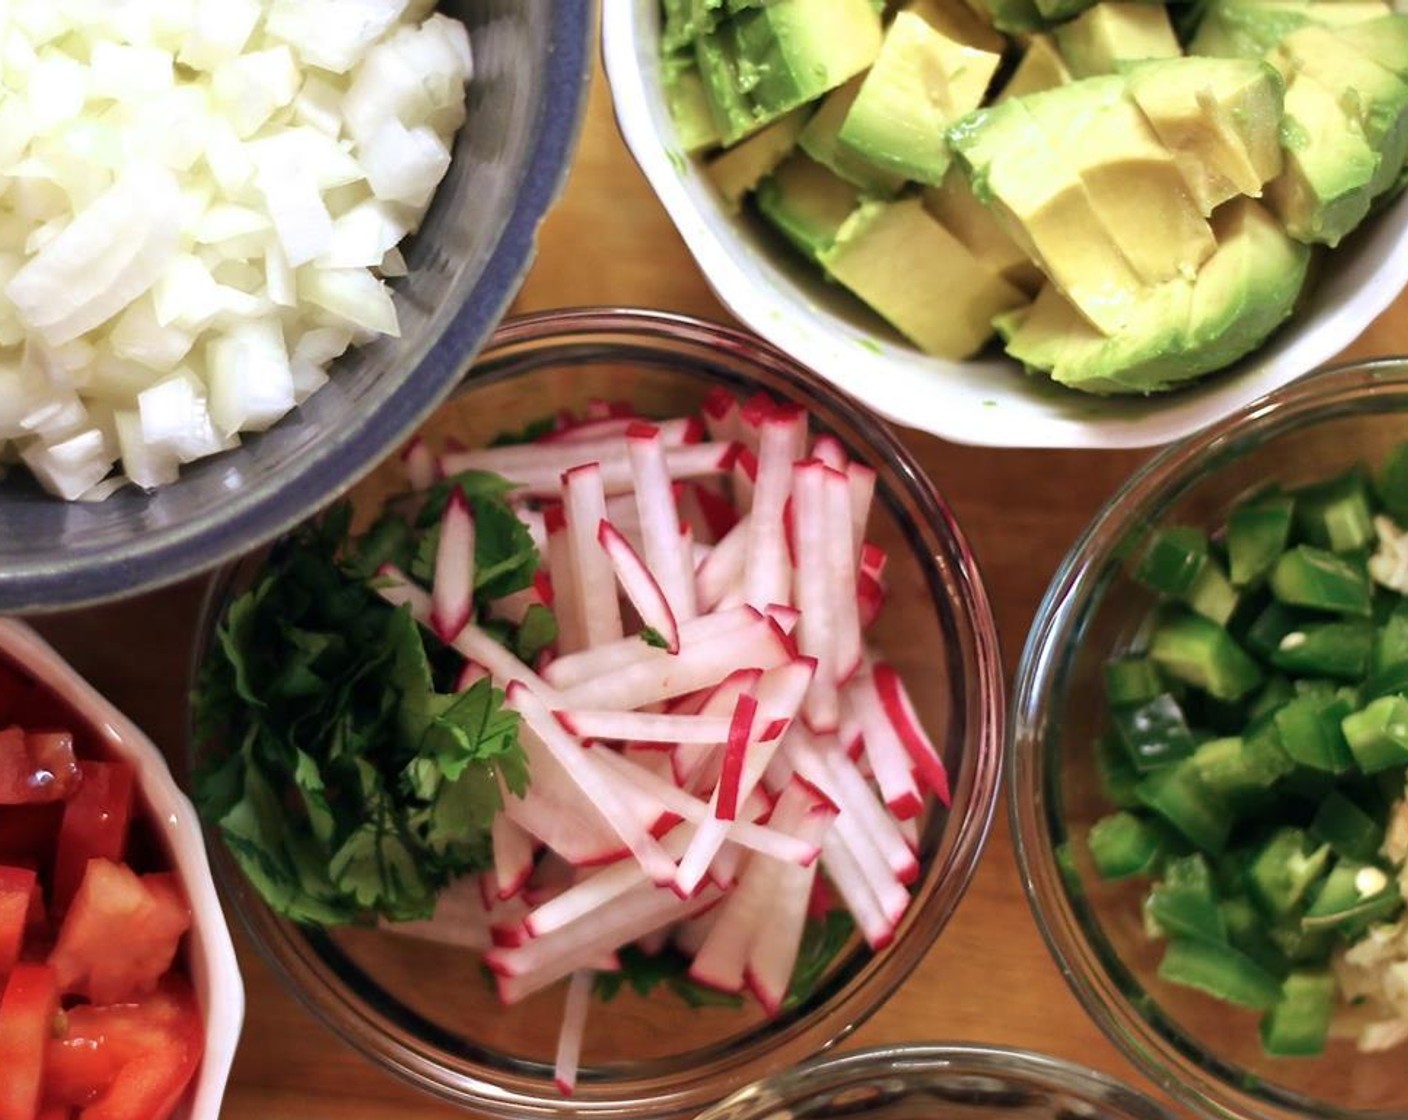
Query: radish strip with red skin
[[513, 855], [695, 666], [574, 1028], [766, 575], [816, 629], [470, 675], [640, 586], [655, 727], [419, 463], [474, 644], [585, 666], [452, 593], [720, 413], [722, 570], [514, 606], [597, 787], [850, 882], [740, 731], [553, 810], [723, 958], [860, 480], [665, 552], [534, 479], [563, 450], [562, 571], [584, 504], [900, 712], [839, 557], [743, 480], [889, 761], [710, 513], [675, 432], [690, 759], [829, 450], [765, 839], [854, 795]]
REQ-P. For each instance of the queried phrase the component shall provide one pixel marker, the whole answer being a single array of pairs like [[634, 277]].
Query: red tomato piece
[[36, 767], [120, 934], [27, 1011], [129, 1061], [28, 834], [53, 1112], [95, 825], [17, 887]]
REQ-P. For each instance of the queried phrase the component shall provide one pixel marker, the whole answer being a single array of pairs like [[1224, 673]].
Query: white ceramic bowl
[[215, 973], [989, 402]]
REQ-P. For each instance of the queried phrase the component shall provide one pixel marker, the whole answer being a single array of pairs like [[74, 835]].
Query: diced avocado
[[1132, 181], [807, 203], [741, 168], [818, 140], [1383, 40], [1250, 28], [1219, 117], [1324, 189], [1376, 98], [1041, 67], [1180, 330], [1110, 34], [762, 62], [916, 274], [953, 203], [695, 127], [958, 22], [1011, 16], [1043, 204], [921, 82]]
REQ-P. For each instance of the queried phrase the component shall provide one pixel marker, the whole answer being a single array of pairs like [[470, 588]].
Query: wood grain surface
[[988, 978]]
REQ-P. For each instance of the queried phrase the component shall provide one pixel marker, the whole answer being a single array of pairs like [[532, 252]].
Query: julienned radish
[[709, 730]]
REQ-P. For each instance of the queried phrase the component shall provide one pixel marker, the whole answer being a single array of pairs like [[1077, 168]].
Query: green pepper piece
[[1299, 1024], [1257, 533], [1179, 796], [1391, 481], [1273, 694], [1311, 577], [1348, 829], [1246, 931], [1331, 649], [1239, 771], [1378, 734], [1183, 903], [1122, 845], [1211, 595], [1132, 681], [1196, 650], [1272, 624], [1391, 638], [1116, 772], [1301, 946], [1309, 730], [1173, 561], [1221, 971], [1153, 734], [1336, 514], [1387, 682], [1284, 870], [1352, 892]]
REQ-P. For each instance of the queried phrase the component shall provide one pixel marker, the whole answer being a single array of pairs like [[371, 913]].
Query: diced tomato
[[95, 825], [27, 1011], [36, 767], [120, 934], [17, 889], [53, 1112], [28, 834], [129, 1061]]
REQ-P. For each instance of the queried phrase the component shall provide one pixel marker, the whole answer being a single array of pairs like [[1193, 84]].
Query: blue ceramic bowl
[[532, 65]]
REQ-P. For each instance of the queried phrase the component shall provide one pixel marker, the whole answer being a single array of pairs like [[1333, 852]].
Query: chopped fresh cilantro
[[652, 637]]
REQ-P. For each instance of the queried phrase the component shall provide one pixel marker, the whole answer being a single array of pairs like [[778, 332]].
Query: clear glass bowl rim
[[1337, 391], [319, 992]]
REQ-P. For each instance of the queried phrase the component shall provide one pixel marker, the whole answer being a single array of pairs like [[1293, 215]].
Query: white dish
[[988, 402], [215, 973]]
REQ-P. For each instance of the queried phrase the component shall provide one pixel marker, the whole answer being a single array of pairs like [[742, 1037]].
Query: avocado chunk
[[1323, 190], [737, 171], [1041, 67], [759, 63], [1250, 28], [807, 203], [819, 140], [921, 82], [1375, 98], [1104, 37], [1041, 202], [688, 102], [1383, 40], [919, 277], [955, 206], [1181, 329], [1132, 181], [1220, 118]]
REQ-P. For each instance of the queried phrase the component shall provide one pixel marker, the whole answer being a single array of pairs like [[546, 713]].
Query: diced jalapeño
[[1312, 577]]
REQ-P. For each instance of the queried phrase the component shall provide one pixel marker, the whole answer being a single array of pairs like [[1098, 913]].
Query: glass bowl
[[532, 63], [920, 1081], [428, 1014], [1203, 1052]]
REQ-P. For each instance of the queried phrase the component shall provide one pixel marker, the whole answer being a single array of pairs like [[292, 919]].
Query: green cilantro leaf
[[652, 637]]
